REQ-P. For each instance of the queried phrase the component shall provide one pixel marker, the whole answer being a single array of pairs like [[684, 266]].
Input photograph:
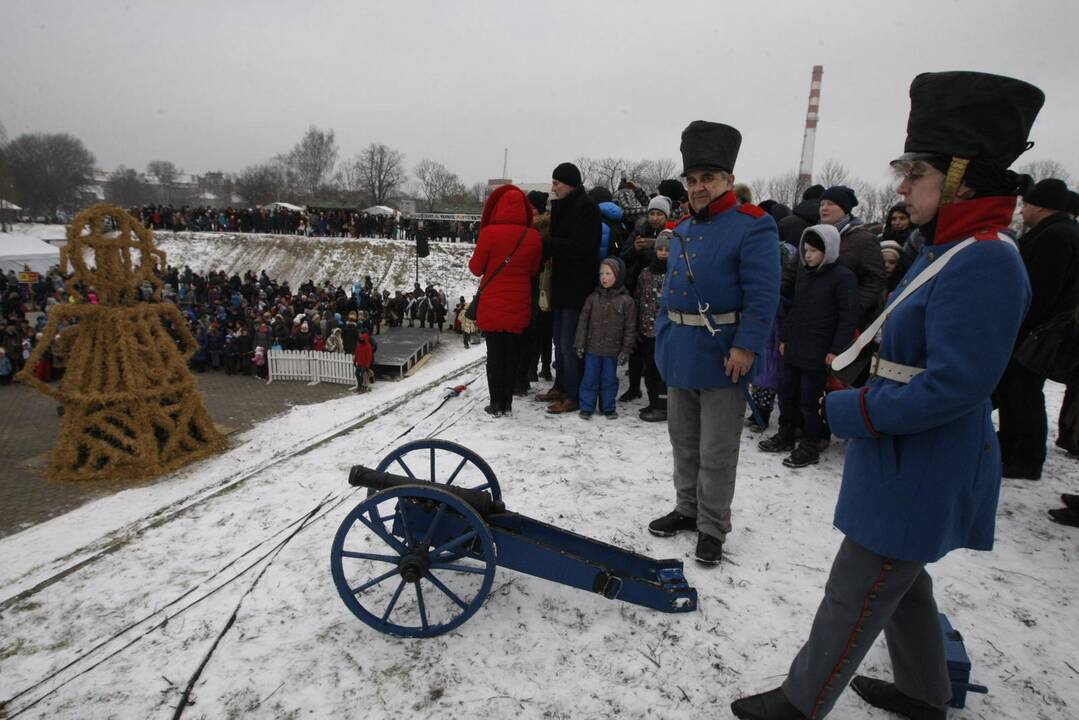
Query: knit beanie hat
[[842, 196], [663, 240], [538, 200], [617, 267], [813, 192], [661, 203], [891, 247], [567, 174], [673, 189], [600, 194], [812, 238]]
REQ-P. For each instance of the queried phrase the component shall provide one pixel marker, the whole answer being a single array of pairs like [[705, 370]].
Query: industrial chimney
[[805, 169]]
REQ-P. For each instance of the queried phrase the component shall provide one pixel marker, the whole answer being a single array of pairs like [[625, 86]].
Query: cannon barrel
[[480, 500]]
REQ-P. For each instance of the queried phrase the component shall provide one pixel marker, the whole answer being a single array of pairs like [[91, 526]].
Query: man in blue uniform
[[719, 299], [923, 467]]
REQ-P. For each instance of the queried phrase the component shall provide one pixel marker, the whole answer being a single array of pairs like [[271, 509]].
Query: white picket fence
[[311, 366]]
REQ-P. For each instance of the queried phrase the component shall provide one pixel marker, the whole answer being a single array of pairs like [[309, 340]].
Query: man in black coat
[[1050, 250], [573, 246], [859, 249]]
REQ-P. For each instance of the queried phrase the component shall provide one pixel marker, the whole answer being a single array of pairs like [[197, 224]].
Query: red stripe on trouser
[[869, 595]]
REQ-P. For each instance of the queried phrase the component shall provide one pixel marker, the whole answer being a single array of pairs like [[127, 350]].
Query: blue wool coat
[[734, 255], [923, 470]]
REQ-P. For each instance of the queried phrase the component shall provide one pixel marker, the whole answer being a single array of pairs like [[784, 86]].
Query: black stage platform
[[399, 349]]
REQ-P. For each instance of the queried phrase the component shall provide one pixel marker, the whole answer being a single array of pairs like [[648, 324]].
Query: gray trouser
[[867, 593], [705, 428]]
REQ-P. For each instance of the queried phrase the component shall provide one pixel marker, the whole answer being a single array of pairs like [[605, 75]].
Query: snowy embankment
[[343, 261], [535, 649], [390, 263]]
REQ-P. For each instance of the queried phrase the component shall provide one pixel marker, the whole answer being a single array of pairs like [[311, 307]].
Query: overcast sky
[[220, 85]]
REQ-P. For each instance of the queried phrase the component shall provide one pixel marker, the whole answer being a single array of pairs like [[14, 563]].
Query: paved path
[[29, 423]]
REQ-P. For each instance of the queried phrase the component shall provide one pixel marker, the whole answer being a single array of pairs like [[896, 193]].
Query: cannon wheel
[[438, 461], [412, 560], [408, 458]]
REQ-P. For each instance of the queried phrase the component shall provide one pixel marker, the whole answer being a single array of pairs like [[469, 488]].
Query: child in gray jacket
[[606, 333]]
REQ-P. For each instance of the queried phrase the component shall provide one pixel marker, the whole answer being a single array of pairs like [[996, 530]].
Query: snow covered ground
[[122, 630]]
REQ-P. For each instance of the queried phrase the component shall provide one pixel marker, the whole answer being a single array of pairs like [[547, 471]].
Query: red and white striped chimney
[[805, 169]]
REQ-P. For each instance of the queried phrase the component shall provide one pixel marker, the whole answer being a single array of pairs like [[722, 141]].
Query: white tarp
[[5, 205], [380, 210], [17, 250], [285, 206]]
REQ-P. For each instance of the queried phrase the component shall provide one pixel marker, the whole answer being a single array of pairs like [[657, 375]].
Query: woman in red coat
[[505, 306]]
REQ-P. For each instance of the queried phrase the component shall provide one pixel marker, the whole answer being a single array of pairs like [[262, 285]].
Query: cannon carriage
[[417, 557]]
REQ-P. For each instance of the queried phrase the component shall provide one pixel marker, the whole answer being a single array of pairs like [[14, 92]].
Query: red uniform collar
[[721, 204], [980, 217]]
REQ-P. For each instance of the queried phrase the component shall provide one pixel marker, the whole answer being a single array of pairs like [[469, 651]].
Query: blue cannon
[[441, 528]]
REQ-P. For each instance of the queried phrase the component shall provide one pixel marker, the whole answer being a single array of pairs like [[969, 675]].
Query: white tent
[[18, 250], [284, 206], [380, 210], [5, 205]]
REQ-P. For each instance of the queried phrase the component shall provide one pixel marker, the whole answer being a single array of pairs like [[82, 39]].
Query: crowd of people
[[310, 222], [900, 337], [236, 320], [715, 299]]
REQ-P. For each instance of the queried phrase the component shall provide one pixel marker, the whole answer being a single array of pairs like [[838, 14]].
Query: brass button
[[931, 256], [694, 255], [683, 293]]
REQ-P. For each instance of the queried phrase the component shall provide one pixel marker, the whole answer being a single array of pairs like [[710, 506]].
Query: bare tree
[[781, 188], [347, 178], [609, 171], [478, 192], [48, 169], [381, 172], [313, 159], [588, 172], [127, 188], [1042, 169], [650, 173], [165, 172], [874, 201], [262, 184], [3, 136], [832, 173], [437, 183]]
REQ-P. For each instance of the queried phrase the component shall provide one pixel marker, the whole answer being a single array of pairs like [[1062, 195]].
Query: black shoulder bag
[[1052, 349]]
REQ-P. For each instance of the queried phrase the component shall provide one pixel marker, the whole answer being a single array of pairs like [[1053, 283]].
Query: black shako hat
[[970, 115], [709, 146], [1050, 193]]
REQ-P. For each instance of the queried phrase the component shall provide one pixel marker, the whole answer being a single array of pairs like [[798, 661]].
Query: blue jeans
[[569, 365], [600, 377]]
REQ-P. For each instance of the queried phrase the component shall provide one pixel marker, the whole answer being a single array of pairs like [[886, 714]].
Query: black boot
[[803, 455], [782, 441], [885, 696], [772, 705], [631, 394]]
